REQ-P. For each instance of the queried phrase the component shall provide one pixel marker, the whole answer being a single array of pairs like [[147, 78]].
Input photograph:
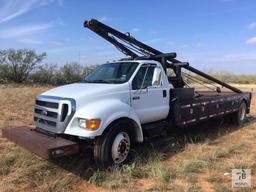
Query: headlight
[[92, 124], [82, 123]]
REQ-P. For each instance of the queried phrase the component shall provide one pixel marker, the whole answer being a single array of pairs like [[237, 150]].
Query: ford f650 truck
[[124, 102]]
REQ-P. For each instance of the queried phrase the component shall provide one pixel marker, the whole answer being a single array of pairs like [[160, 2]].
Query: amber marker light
[[93, 123]]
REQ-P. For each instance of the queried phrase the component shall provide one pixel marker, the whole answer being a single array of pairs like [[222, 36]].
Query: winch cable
[[207, 82], [200, 79], [197, 81], [133, 47]]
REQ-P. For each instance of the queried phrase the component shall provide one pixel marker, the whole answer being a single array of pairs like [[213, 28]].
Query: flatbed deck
[[207, 105]]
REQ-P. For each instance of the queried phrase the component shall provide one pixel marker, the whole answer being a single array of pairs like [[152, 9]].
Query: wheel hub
[[120, 147]]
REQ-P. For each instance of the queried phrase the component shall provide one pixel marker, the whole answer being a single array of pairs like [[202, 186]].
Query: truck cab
[[132, 93]]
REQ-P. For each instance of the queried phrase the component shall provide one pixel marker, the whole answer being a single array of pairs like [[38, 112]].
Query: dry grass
[[196, 160]]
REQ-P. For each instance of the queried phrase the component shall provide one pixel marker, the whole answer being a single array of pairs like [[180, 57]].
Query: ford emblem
[[44, 113]]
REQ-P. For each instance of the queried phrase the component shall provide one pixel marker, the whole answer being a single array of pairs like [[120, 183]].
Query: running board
[[154, 129]]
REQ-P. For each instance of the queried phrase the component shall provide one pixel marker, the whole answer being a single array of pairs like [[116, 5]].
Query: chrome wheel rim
[[120, 147]]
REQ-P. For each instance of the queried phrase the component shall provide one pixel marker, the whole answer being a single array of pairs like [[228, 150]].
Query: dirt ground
[[199, 158]]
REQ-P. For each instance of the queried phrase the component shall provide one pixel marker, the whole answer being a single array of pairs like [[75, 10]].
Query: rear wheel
[[114, 146], [240, 116]]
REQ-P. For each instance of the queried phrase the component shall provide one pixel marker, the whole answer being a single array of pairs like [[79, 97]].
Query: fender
[[108, 110]]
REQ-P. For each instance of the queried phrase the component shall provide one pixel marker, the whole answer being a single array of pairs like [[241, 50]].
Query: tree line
[[26, 66]]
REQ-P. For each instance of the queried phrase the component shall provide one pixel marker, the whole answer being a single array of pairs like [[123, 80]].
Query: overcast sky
[[217, 35]]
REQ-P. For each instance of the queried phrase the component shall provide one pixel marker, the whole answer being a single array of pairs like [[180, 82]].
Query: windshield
[[112, 73]]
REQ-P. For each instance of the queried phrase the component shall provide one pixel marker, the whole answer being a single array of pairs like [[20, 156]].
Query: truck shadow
[[208, 131], [84, 166]]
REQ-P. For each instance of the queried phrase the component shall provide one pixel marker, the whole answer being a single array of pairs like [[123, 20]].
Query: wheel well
[[131, 123]]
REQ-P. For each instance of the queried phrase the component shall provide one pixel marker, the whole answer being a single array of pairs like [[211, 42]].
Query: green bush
[[16, 65], [4, 71], [54, 75], [45, 74], [69, 73]]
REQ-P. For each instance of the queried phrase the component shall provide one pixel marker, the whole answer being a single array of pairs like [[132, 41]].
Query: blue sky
[[217, 35]]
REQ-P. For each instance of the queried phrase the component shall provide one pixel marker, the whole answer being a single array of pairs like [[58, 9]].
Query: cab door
[[148, 95]]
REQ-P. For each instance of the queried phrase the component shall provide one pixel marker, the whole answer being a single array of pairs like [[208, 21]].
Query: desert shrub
[[4, 71], [44, 74], [54, 75], [16, 65], [69, 73]]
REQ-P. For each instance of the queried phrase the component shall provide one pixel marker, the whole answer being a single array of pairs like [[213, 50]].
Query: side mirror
[[156, 80]]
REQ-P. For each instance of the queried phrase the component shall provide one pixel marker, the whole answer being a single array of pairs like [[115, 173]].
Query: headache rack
[[138, 50]]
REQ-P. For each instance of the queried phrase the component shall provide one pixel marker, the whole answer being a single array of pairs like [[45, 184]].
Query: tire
[[240, 116], [114, 146]]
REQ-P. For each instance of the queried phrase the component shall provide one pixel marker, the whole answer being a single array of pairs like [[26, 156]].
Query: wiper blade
[[85, 81], [116, 81], [96, 81]]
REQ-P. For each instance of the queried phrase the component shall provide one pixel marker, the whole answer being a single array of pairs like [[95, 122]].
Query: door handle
[[164, 93], [136, 98]]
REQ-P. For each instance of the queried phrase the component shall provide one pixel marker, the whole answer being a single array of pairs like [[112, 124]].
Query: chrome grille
[[47, 104], [53, 113], [48, 114]]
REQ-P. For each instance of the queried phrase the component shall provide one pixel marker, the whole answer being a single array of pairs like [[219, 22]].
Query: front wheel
[[114, 146]]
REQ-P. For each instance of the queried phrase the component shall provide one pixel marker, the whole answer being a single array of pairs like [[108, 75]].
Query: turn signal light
[[93, 123]]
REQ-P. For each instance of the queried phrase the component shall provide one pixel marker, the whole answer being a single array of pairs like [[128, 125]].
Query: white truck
[[121, 103]]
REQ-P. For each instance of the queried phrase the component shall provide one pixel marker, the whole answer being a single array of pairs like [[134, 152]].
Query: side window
[[147, 76]]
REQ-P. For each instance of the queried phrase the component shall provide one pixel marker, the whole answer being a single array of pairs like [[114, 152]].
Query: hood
[[82, 90]]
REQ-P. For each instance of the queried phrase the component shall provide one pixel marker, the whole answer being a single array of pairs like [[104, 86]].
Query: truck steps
[[154, 129]]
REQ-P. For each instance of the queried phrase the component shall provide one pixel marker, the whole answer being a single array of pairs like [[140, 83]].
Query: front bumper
[[45, 146]]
